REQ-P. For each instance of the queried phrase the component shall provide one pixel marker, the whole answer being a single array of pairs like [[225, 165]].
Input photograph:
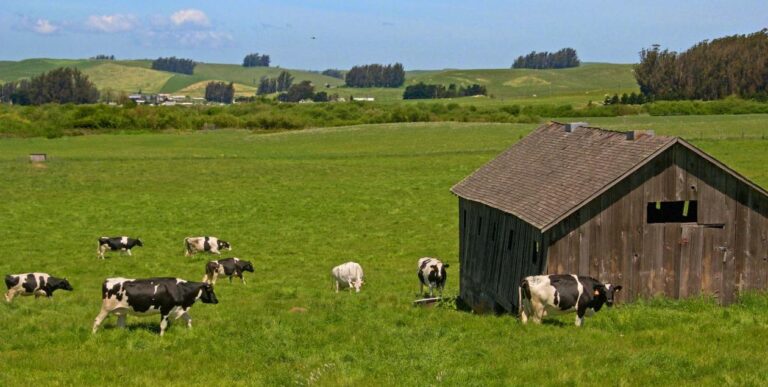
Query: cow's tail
[[523, 292]]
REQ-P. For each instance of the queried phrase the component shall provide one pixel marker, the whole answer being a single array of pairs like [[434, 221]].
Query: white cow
[[348, 275]]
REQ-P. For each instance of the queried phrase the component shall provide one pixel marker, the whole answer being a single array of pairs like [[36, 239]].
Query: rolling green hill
[[577, 86]]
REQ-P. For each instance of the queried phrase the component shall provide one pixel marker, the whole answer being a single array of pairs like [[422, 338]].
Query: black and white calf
[[228, 267], [39, 284], [563, 293], [121, 243], [170, 297], [432, 274], [204, 243]]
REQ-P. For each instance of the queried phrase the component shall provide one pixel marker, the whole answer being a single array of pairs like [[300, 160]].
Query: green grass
[[297, 203]]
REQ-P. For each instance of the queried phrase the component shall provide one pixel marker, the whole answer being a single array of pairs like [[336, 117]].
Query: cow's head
[[246, 266], [138, 242], [207, 296], [358, 284], [605, 294], [438, 270], [223, 245], [59, 283]]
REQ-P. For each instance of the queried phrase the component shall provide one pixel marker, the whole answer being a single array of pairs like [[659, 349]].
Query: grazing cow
[[228, 267], [562, 293], [432, 273], [122, 243], [167, 296], [348, 275], [205, 243], [39, 284]]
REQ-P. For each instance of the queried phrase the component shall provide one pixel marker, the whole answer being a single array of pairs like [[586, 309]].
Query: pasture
[[296, 204]]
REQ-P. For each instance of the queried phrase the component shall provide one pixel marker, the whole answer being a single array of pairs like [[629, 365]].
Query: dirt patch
[[298, 309]]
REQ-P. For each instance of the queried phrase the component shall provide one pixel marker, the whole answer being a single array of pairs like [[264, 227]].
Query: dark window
[[479, 225], [672, 212], [535, 255], [509, 242]]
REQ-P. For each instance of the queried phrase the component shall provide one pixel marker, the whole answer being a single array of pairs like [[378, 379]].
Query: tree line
[[220, 92], [333, 73], [275, 85], [426, 91], [626, 99], [733, 65], [548, 60], [256, 60], [375, 75], [174, 65], [301, 91], [61, 85], [103, 57]]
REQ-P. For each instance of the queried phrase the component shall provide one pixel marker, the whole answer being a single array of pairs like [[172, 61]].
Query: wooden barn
[[652, 213]]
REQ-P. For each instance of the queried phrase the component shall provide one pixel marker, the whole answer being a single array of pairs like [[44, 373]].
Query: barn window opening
[[493, 232], [535, 255], [479, 225], [509, 242], [683, 211], [465, 221]]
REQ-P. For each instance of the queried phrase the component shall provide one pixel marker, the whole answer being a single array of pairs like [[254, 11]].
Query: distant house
[[652, 213]]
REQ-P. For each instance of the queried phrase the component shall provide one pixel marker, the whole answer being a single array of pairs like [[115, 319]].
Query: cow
[[432, 274], [563, 293], [121, 243], [205, 243], [170, 297], [39, 284], [348, 275], [228, 267]]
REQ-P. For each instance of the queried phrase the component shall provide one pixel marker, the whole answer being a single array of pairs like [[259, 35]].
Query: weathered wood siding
[[610, 239], [496, 250]]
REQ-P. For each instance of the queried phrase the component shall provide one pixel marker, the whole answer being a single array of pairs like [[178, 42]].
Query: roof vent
[[571, 126], [636, 134]]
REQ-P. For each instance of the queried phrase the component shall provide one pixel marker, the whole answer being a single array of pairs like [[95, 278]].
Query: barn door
[[689, 267]]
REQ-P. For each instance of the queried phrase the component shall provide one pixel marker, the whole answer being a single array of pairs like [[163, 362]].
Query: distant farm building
[[652, 213]]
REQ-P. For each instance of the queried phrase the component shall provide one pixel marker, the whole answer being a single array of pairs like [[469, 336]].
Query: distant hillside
[[589, 82]]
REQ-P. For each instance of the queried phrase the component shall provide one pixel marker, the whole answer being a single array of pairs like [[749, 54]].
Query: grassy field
[[296, 204]]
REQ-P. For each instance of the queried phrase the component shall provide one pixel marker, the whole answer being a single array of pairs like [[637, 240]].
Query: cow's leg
[[537, 311], [184, 315], [421, 289], [99, 319], [163, 324], [215, 276], [242, 278], [121, 320], [230, 279], [10, 294], [580, 316], [337, 285], [128, 251]]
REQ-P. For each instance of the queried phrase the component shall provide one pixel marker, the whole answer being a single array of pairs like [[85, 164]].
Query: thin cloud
[[38, 26], [112, 23], [190, 16]]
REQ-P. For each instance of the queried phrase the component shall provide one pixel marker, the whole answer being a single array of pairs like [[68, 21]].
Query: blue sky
[[421, 34]]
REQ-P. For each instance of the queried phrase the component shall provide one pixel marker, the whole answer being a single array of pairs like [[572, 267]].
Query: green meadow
[[296, 204]]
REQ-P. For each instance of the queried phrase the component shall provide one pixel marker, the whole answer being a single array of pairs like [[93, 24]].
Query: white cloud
[[44, 27], [190, 16], [111, 23]]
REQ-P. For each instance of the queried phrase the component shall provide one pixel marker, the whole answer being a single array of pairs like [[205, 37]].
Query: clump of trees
[[274, 85], [256, 60], [220, 92], [303, 90], [548, 60], [375, 75], [333, 73], [61, 85], [427, 91], [174, 65], [733, 65], [625, 99], [103, 57]]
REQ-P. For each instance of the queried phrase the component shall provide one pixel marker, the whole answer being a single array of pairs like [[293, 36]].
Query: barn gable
[[610, 205]]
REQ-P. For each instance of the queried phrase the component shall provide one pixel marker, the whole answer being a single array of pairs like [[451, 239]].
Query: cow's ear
[[446, 265], [617, 289]]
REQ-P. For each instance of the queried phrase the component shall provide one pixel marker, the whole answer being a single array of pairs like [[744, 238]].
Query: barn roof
[[551, 173]]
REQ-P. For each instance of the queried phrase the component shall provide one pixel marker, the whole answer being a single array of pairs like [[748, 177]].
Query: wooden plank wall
[[610, 240], [495, 253]]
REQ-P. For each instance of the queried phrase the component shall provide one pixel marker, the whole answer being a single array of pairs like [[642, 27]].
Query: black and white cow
[[228, 267], [170, 297], [121, 243], [432, 274], [39, 284], [563, 293], [204, 243]]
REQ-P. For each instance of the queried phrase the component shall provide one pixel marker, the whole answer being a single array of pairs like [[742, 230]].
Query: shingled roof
[[552, 172]]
